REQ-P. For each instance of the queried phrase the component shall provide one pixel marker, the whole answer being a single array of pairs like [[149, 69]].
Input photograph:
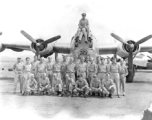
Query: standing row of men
[[76, 77]]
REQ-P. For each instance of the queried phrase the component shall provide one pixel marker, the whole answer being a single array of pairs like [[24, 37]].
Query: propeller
[[118, 38], [28, 36], [143, 40], [39, 43], [130, 47], [130, 44], [52, 39]]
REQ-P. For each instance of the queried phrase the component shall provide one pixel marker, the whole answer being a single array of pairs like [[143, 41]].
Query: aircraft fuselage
[[83, 49]]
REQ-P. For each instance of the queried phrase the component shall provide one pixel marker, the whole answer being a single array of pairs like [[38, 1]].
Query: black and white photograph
[[76, 59]]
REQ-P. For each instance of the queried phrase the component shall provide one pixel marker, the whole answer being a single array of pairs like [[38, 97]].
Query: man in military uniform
[[44, 85], [50, 70], [26, 74], [31, 85], [123, 74], [18, 70], [108, 86], [40, 70], [34, 63], [70, 69], [57, 69], [108, 61], [82, 68], [101, 69], [114, 70], [63, 71], [81, 87], [87, 59], [57, 85], [70, 82], [83, 28], [92, 69], [98, 60], [95, 86]]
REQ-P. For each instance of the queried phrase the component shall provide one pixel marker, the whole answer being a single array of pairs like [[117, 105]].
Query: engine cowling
[[44, 51], [2, 48], [123, 50]]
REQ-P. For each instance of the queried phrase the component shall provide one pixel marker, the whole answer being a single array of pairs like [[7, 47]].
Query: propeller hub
[[38, 44], [130, 46]]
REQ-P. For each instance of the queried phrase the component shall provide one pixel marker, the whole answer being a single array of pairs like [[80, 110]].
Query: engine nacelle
[[44, 51], [2, 48], [123, 50]]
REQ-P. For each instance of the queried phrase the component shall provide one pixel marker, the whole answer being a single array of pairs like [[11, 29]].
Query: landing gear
[[130, 76]]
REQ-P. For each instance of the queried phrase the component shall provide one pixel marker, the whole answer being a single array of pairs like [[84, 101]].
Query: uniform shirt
[[82, 67], [114, 68], [45, 82], [27, 68], [83, 23], [80, 84], [108, 83], [31, 83], [18, 67], [71, 81], [34, 63], [49, 66], [123, 69], [41, 67], [95, 83], [71, 67], [57, 82], [63, 65], [56, 67], [92, 67], [102, 68]]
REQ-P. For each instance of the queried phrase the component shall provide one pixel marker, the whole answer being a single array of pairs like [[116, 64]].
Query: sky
[[130, 19]]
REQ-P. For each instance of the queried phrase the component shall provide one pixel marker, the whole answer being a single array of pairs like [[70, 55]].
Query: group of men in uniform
[[75, 78]]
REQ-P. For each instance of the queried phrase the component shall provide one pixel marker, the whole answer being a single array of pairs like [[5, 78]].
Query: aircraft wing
[[113, 49], [62, 48], [146, 49], [16, 47], [107, 49]]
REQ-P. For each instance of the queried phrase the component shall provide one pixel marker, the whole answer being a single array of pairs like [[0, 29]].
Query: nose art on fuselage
[[83, 49]]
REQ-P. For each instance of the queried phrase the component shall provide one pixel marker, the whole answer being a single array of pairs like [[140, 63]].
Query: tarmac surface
[[138, 98]]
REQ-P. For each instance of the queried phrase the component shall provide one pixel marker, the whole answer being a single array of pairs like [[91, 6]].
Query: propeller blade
[[0, 33], [52, 39], [118, 38], [143, 40], [28, 36], [37, 51]]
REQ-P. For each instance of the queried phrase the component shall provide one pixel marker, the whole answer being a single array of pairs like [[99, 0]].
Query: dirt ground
[[138, 98]]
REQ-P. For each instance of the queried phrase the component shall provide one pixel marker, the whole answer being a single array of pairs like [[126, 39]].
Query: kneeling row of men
[[72, 88]]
